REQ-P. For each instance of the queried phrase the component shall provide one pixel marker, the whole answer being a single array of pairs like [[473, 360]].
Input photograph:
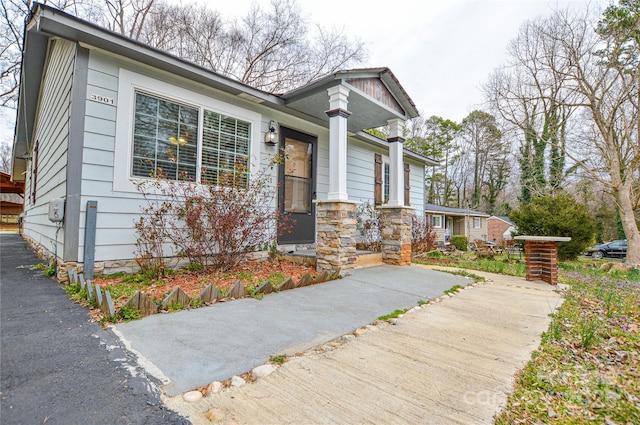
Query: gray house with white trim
[[98, 112]]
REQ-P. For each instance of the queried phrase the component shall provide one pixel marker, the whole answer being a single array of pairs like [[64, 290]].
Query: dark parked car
[[613, 249]]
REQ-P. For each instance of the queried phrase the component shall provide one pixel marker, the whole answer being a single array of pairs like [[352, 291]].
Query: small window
[[386, 184], [477, 222], [436, 221]]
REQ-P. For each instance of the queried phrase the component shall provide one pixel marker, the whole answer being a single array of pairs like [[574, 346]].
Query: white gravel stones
[[192, 396], [215, 415], [215, 387], [237, 381], [264, 370]]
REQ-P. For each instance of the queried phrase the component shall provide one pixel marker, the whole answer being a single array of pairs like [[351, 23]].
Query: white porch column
[[396, 169], [338, 114]]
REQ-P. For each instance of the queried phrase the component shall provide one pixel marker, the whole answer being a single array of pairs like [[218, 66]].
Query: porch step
[[302, 256], [308, 257], [368, 259]]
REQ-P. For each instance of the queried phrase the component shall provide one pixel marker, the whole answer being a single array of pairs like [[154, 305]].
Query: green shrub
[[460, 242], [559, 215]]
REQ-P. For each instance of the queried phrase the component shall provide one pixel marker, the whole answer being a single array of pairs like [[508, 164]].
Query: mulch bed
[[192, 283]]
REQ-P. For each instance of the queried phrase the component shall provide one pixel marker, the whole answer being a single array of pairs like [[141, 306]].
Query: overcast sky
[[442, 51]]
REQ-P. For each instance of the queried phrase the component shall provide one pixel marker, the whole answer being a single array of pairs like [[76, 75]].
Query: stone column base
[[396, 235], [336, 237]]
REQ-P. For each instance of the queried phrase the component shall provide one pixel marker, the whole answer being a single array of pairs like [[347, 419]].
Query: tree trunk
[[629, 223]]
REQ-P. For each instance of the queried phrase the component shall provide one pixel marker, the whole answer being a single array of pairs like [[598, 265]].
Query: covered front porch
[[352, 102]]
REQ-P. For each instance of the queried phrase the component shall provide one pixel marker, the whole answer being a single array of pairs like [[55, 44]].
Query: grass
[[499, 264], [453, 289], [128, 313], [465, 273], [49, 270], [393, 315], [586, 369], [278, 359]]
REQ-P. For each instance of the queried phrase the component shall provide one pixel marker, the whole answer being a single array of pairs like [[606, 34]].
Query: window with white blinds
[[225, 148], [168, 135]]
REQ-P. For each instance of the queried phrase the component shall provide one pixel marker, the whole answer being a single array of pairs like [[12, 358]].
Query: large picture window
[[168, 136]]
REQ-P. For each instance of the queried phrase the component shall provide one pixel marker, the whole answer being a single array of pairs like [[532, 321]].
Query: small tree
[[559, 215]]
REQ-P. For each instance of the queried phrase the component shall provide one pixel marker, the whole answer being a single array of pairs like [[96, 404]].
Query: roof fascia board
[[60, 24], [457, 214], [376, 141], [34, 56], [389, 79]]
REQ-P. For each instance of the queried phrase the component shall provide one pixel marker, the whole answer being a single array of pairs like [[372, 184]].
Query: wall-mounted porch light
[[271, 136]]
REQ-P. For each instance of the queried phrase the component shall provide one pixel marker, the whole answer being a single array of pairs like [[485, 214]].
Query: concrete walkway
[[451, 362], [192, 348]]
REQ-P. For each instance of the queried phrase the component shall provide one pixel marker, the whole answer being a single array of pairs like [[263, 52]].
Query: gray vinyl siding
[[322, 170], [416, 181], [361, 175], [52, 132], [117, 211], [361, 171]]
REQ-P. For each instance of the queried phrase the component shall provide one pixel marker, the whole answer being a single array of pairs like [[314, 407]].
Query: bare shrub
[[215, 226], [423, 235], [368, 226]]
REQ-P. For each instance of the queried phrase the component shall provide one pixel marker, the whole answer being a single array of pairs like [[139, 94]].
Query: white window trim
[[440, 226], [386, 163], [128, 83], [474, 222]]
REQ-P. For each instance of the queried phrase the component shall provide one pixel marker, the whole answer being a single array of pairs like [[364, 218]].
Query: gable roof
[[433, 208], [503, 218], [376, 95], [374, 91]]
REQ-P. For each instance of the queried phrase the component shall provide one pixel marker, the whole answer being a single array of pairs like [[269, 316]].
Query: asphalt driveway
[[56, 366]]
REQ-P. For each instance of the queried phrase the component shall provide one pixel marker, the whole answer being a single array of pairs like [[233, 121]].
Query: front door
[[297, 187]]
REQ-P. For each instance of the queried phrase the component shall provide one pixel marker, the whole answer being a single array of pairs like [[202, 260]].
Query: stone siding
[[396, 235], [336, 236]]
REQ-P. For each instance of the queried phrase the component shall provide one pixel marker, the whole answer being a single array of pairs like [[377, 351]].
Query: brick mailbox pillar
[[396, 235], [336, 235], [541, 256]]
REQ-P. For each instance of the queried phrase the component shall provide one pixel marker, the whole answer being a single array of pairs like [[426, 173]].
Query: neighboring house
[[11, 199], [449, 222], [500, 228], [99, 112]]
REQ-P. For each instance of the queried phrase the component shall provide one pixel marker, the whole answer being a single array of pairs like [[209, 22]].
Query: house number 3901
[[103, 99]]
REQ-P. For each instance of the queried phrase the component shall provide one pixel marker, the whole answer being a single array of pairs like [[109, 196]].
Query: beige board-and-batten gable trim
[[375, 88]]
